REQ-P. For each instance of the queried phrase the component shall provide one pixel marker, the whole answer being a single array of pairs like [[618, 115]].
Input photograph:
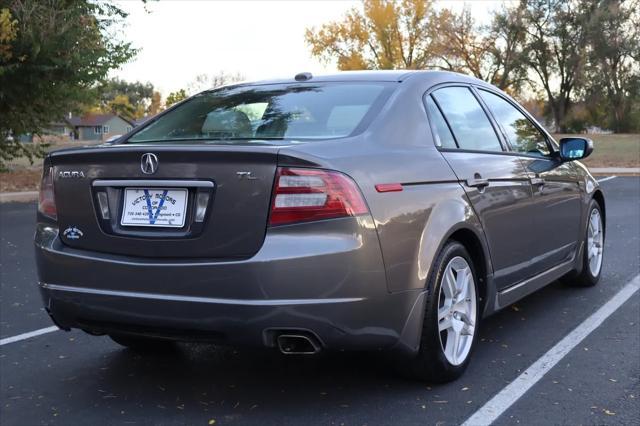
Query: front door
[[556, 193]]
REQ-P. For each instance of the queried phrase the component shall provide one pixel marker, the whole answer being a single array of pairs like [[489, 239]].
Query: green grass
[[620, 150]]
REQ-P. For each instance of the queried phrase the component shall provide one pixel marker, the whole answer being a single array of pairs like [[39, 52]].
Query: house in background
[[98, 127], [60, 128]]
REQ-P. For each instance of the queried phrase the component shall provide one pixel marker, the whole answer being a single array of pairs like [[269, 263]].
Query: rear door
[[495, 182], [556, 192], [173, 201]]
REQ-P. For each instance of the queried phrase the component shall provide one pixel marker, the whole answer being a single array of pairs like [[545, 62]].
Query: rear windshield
[[270, 112]]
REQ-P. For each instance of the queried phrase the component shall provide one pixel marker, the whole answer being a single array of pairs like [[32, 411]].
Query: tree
[[54, 51], [139, 95], [121, 106], [556, 40], [613, 71], [156, 104], [211, 81], [385, 35], [410, 34], [492, 53], [8, 33], [176, 96]]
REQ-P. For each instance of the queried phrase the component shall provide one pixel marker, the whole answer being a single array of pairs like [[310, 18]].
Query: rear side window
[[523, 136], [270, 112], [443, 135], [469, 123]]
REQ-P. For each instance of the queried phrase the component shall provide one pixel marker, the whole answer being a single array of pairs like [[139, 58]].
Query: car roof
[[373, 75]]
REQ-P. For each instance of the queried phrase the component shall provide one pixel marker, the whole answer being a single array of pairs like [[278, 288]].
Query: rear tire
[[451, 318], [592, 251], [142, 344]]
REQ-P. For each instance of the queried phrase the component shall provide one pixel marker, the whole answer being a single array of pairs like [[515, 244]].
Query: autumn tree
[[52, 53], [386, 34], [112, 93], [8, 33], [156, 104], [121, 106], [410, 34], [493, 53], [176, 96]]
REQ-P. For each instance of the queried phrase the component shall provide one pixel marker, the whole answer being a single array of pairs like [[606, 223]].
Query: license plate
[[154, 207]]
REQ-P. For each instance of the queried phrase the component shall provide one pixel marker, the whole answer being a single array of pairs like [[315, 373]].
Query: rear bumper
[[325, 278]]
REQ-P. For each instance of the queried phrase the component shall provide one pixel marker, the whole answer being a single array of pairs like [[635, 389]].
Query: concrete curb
[[615, 170], [18, 197]]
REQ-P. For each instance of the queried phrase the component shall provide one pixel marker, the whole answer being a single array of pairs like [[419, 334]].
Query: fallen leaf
[[608, 413], [212, 421]]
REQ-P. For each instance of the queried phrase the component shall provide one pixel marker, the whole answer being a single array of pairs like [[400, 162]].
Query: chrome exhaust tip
[[297, 344]]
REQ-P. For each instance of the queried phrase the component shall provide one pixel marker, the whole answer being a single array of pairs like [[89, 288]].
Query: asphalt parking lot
[[72, 378]]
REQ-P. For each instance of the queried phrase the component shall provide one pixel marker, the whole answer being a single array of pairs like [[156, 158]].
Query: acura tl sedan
[[387, 211]]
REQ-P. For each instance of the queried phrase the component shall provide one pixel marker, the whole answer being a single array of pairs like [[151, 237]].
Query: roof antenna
[[303, 76]]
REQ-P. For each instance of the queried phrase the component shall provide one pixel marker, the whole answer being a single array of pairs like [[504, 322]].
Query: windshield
[[292, 111]]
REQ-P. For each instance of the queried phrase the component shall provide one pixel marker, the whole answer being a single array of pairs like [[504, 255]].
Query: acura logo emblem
[[149, 164]]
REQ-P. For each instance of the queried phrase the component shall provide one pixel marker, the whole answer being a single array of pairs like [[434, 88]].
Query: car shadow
[[246, 381]]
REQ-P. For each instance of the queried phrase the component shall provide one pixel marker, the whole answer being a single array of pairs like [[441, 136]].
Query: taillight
[[46, 199], [302, 195]]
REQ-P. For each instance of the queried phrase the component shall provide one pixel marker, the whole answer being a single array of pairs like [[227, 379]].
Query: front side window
[[306, 111], [105, 129], [469, 123], [97, 130], [523, 136]]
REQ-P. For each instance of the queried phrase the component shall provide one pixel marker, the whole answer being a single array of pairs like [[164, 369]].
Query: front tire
[[592, 252], [451, 316]]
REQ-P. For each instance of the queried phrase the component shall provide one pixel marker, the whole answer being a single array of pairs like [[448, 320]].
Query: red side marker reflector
[[389, 187]]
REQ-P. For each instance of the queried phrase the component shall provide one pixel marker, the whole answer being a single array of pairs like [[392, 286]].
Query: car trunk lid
[[235, 180]]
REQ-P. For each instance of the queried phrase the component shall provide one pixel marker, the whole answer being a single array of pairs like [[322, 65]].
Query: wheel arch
[[468, 233], [479, 256], [599, 197]]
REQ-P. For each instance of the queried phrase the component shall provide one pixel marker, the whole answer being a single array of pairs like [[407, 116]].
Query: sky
[[180, 39]]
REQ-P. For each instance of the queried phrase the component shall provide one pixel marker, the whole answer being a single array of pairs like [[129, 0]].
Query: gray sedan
[[363, 210]]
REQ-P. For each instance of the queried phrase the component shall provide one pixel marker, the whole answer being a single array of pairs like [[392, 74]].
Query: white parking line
[[497, 405], [606, 179], [28, 335]]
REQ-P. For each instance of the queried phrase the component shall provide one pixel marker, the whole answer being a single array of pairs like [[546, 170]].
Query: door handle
[[536, 181], [477, 183]]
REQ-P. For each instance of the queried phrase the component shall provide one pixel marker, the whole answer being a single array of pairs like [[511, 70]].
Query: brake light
[[46, 198], [302, 195]]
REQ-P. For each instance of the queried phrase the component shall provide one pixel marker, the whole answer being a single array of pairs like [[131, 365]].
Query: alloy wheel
[[457, 310], [595, 242]]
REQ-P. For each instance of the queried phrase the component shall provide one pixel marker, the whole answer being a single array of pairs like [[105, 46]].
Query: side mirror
[[575, 148]]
